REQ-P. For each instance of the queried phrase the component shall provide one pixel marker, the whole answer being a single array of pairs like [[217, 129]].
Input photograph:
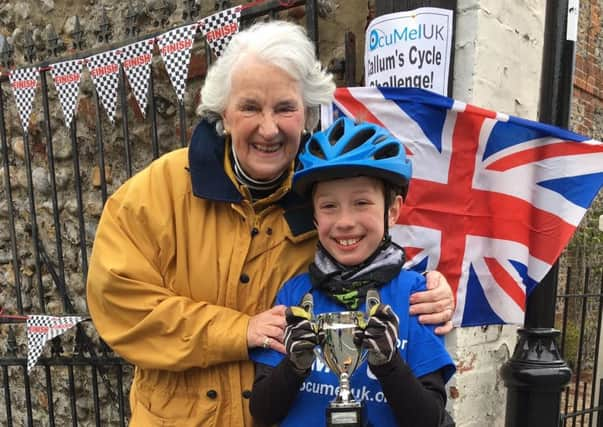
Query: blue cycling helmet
[[348, 149]]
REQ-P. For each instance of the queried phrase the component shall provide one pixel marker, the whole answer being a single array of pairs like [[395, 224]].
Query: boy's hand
[[380, 337], [435, 305], [300, 338]]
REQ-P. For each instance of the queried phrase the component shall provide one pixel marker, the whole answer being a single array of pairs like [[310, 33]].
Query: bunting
[[41, 328], [66, 77], [104, 71], [24, 82], [175, 48], [219, 28], [136, 61]]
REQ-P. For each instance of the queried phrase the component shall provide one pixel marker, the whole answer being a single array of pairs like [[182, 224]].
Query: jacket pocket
[[181, 410]]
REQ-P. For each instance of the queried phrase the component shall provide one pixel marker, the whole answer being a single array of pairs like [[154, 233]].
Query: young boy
[[357, 176]]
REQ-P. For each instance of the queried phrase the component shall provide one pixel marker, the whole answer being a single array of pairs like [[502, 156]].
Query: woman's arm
[[274, 391], [132, 301], [135, 311], [414, 401]]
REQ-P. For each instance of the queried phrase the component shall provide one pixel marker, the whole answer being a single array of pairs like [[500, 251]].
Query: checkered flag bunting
[[66, 77], [135, 60], [41, 328], [219, 28], [104, 71], [175, 48], [24, 82]]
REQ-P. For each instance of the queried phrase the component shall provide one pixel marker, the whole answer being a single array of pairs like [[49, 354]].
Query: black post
[[536, 374]]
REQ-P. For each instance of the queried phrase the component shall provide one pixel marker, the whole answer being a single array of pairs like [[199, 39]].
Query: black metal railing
[[49, 208], [579, 311]]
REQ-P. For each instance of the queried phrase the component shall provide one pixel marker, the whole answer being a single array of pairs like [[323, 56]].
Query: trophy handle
[[318, 353], [372, 299], [307, 304]]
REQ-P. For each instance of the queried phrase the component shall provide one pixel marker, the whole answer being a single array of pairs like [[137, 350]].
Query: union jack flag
[[494, 199]]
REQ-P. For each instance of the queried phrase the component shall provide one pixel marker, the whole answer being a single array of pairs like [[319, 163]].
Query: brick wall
[[586, 117], [587, 110]]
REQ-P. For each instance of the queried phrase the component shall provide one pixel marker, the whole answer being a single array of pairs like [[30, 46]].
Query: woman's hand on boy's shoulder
[[435, 305]]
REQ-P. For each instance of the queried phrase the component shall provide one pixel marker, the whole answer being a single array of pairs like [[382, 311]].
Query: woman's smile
[[267, 148]]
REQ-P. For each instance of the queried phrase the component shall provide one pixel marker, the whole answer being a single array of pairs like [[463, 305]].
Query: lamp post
[[536, 373]]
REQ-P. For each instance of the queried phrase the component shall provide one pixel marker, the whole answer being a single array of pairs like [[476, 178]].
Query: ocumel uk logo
[[374, 39], [433, 32]]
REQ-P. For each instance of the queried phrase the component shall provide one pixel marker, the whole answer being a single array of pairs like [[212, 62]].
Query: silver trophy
[[342, 356]]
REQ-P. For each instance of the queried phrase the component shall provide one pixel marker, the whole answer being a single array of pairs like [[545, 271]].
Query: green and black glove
[[380, 336], [300, 338]]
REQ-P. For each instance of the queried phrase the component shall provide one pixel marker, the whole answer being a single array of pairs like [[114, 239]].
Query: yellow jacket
[[180, 262]]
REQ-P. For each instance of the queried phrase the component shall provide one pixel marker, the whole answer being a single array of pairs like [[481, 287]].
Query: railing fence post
[[536, 373]]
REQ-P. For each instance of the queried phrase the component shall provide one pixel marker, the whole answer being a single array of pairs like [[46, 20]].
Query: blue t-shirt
[[419, 346]]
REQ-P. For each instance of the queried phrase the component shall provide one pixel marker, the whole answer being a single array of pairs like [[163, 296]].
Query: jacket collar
[[210, 181], [206, 165]]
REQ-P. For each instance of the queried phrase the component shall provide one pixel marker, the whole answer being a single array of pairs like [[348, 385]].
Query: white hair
[[279, 43]]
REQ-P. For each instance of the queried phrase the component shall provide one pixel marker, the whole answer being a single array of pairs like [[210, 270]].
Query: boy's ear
[[394, 210]]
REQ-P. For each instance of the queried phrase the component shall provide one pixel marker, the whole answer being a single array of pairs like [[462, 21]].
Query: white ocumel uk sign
[[409, 49]]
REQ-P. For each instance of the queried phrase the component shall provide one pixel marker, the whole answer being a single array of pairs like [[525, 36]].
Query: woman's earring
[[220, 129]]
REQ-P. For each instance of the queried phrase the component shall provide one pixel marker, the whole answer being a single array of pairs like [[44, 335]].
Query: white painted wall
[[498, 55]]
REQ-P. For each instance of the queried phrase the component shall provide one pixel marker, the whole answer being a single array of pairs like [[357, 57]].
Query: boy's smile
[[350, 216]]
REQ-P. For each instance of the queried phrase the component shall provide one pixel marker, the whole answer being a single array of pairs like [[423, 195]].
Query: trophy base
[[349, 414]]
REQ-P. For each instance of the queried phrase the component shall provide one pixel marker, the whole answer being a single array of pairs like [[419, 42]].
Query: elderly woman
[[190, 252]]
